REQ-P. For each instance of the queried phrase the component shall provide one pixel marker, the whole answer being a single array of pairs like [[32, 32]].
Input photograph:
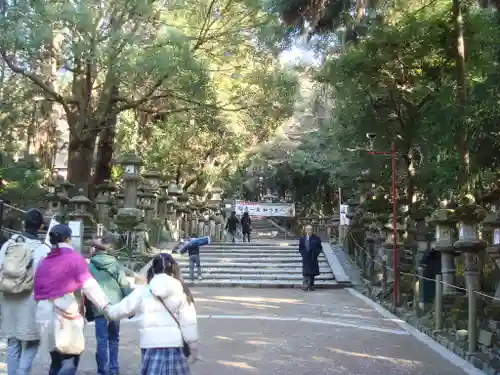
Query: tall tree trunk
[[105, 149], [462, 131], [80, 161]]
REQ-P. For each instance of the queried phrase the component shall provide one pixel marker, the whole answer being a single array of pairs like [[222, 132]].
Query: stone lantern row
[[456, 232], [161, 209]]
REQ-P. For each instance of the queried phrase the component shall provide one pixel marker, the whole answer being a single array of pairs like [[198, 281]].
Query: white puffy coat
[[158, 328]]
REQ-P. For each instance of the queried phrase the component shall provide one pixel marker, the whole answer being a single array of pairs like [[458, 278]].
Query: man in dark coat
[[310, 247], [232, 225]]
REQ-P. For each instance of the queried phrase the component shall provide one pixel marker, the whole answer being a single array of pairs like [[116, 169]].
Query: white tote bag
[[68, 326]]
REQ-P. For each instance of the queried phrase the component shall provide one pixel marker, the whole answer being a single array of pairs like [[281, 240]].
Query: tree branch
[[35, 79]]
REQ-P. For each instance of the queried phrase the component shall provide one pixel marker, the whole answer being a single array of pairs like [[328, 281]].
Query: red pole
[[394, 226]]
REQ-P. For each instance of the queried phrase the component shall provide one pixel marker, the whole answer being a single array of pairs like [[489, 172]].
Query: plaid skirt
[[164, 361]]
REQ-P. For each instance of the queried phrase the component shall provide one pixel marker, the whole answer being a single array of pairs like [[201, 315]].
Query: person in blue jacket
[[193, 251]]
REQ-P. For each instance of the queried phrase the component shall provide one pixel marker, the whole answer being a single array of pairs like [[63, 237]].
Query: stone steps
[[252, 262], [321, 284], [276, 276], [255, 254], [271, 260], [256, 271]]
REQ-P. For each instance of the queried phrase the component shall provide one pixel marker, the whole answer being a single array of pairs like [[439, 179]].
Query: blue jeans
[[20, 356], [63, 364], [107, 335], [194, 260]]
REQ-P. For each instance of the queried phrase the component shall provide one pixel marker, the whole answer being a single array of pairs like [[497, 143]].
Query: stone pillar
[[128, 216], [103, 203], [446, 222], [62, 189], [219, 225], [81, 222], [174, 192], [182, 211], [162, 212], [355, 229], [469, 215], [492, 221], [201, 225]]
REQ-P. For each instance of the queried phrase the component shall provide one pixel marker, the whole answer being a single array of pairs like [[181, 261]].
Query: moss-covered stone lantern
[[63, 187], [104, 201], [469, 215], [445, 221], [52, 199], [173, 224], [129, 215], [81, 215]]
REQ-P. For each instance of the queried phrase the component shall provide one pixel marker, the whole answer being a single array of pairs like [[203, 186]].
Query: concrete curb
[[338, 271]]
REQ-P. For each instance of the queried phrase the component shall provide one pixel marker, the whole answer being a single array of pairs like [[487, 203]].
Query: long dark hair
[[164, 263]]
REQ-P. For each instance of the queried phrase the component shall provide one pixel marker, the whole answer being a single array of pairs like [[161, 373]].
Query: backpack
[[16, 270]]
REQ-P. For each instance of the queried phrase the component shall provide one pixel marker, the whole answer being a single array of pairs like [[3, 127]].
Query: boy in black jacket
[[194, 258]]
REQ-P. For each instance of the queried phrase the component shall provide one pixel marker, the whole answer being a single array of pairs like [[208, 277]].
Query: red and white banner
[[265, 209]]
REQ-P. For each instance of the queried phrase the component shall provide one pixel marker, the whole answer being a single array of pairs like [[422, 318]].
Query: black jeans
[[308, 283], [246, 235], [63, 364]]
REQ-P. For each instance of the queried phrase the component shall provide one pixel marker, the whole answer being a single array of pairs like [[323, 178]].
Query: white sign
[[52, 224], [76, 227], [265, 209], [344, 220]]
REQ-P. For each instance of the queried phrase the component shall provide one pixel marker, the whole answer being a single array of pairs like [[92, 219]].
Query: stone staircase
[[261, 263], [264, 229]]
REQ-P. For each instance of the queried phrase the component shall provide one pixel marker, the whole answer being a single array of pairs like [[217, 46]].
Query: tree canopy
[[400, 79], [188, 85]]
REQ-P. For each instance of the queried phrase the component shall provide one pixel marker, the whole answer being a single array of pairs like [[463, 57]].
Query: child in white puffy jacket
[[168, 319]]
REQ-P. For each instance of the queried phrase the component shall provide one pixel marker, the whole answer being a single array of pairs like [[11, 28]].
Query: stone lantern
[[52, 199], [173, 192], [203, 220], [492, 221], [213, 205], [153, 179], [148, 200], [183, 211], [469, 215], [129, 215], [104, 202], [81, 221], [63, 187], [356, 229], [445, 221]]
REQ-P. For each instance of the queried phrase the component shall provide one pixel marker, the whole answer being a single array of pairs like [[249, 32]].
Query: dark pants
[[63, 364], [308, 283], [194, 260], [232, 233], [107, 335], [246, 235]]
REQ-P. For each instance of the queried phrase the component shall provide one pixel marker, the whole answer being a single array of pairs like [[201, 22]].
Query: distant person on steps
[[246, 226], [232, 226], [310, 248]]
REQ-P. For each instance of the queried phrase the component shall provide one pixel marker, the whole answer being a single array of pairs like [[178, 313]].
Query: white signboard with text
[[265, 209]]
